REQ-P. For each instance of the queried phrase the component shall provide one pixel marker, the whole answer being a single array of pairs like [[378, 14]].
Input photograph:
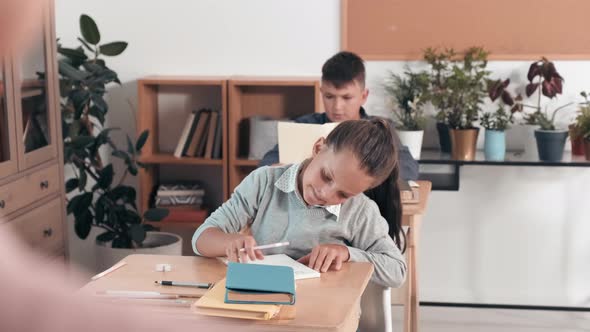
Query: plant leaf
[[531, 88], [89, 29], [67, 70], [556, 82], [507, 98], [83, 224], [106, 177], [71, 184], [122, 242], [137, 233], [83, 179], [113, 49], [534, 71], [548, 89], [76, 56], [86, 45], [155, 214], [130, 146], [141, 140], [106, 236]]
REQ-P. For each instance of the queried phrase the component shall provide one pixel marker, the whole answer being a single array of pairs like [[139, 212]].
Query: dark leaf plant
[[546, 81], [97, 197], [407, 93], [500, 119]]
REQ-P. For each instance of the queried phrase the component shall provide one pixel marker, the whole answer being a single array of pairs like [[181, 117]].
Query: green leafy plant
[[101, 200], [458, 85], [546, 81], [407, 92], [582, 124], [500, 119]]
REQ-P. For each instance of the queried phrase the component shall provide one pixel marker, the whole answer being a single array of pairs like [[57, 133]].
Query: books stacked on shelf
[[201, 136], [184, 202]]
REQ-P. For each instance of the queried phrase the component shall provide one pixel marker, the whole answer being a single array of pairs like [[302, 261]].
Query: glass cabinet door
[[8, 155], [35, 101]]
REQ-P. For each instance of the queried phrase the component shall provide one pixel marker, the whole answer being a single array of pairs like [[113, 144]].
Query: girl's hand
[[324, 256], [233, 253]]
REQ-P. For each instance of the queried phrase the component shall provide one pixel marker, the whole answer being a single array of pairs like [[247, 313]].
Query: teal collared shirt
[[287, 183]]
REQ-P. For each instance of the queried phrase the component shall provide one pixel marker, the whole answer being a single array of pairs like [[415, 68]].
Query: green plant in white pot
[[97, 196], [496, 123], [408, 109], [545, 81]]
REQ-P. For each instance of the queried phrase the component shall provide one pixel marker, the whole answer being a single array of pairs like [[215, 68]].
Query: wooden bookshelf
[[275, 97], [194, 92]]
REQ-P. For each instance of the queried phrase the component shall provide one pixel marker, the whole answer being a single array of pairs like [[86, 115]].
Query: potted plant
[[576, 132], [96, 197], [458, 87], [582, 124], [545, 80], [408, 109], [497, 122]]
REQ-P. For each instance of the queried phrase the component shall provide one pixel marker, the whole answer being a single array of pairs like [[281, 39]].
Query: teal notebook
[[259, 284]]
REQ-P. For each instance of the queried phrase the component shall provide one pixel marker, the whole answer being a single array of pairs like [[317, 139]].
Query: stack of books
[[201, 136], [183, 200], [251, 291]]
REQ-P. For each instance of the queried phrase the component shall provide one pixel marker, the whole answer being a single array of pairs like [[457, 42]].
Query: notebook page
[[301, 271]]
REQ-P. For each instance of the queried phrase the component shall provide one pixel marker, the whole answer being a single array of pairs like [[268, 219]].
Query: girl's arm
[[372, 243], [221, 228]]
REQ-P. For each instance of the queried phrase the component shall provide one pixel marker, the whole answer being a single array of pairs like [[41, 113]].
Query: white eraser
[[163, 267]]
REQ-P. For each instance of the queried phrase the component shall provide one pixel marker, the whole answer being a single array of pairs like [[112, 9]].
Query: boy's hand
[[233, 253], [324, 256]]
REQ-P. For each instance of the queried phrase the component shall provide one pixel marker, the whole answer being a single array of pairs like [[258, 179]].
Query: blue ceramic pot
[[495, 145], [550, 144]]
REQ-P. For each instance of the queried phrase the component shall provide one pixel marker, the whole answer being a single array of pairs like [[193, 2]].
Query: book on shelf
[[200, 135], [296, 139], [211, 134], [196, 216], [200, 120], [185, 135], [217, 154], [409, 192]]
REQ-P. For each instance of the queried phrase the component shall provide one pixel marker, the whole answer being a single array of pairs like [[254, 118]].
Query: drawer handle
[[44, 184], [47, 232], [2, 204]]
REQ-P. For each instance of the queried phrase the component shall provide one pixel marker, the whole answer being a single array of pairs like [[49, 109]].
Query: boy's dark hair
[[344, 68], [374, 145]]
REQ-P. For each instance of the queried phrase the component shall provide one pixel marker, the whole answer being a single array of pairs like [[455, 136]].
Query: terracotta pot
[[577, 142], [587, 149], [463, 143]]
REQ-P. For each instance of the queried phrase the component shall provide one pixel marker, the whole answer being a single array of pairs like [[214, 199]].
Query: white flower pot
[[413, 140], [155, 243]]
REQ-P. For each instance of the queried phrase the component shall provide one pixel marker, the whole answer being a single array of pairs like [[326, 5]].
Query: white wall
[[512, 234]]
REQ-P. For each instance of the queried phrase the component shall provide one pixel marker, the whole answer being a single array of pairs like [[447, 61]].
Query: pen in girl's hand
[[268, 246]]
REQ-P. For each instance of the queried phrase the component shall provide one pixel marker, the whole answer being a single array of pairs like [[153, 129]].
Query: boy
[[343, 94]]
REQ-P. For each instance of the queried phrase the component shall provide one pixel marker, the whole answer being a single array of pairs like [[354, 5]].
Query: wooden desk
[[329, 303], [409, 293]]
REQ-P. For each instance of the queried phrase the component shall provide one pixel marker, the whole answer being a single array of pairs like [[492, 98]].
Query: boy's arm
[[372, 243], [409, 169], [271, 157], [233, 215]]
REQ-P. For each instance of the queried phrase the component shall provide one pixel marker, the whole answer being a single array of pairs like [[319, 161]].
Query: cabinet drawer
[[42, 228], [28, 189]]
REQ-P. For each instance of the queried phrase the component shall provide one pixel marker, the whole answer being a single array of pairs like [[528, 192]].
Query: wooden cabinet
[[32, 195]]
